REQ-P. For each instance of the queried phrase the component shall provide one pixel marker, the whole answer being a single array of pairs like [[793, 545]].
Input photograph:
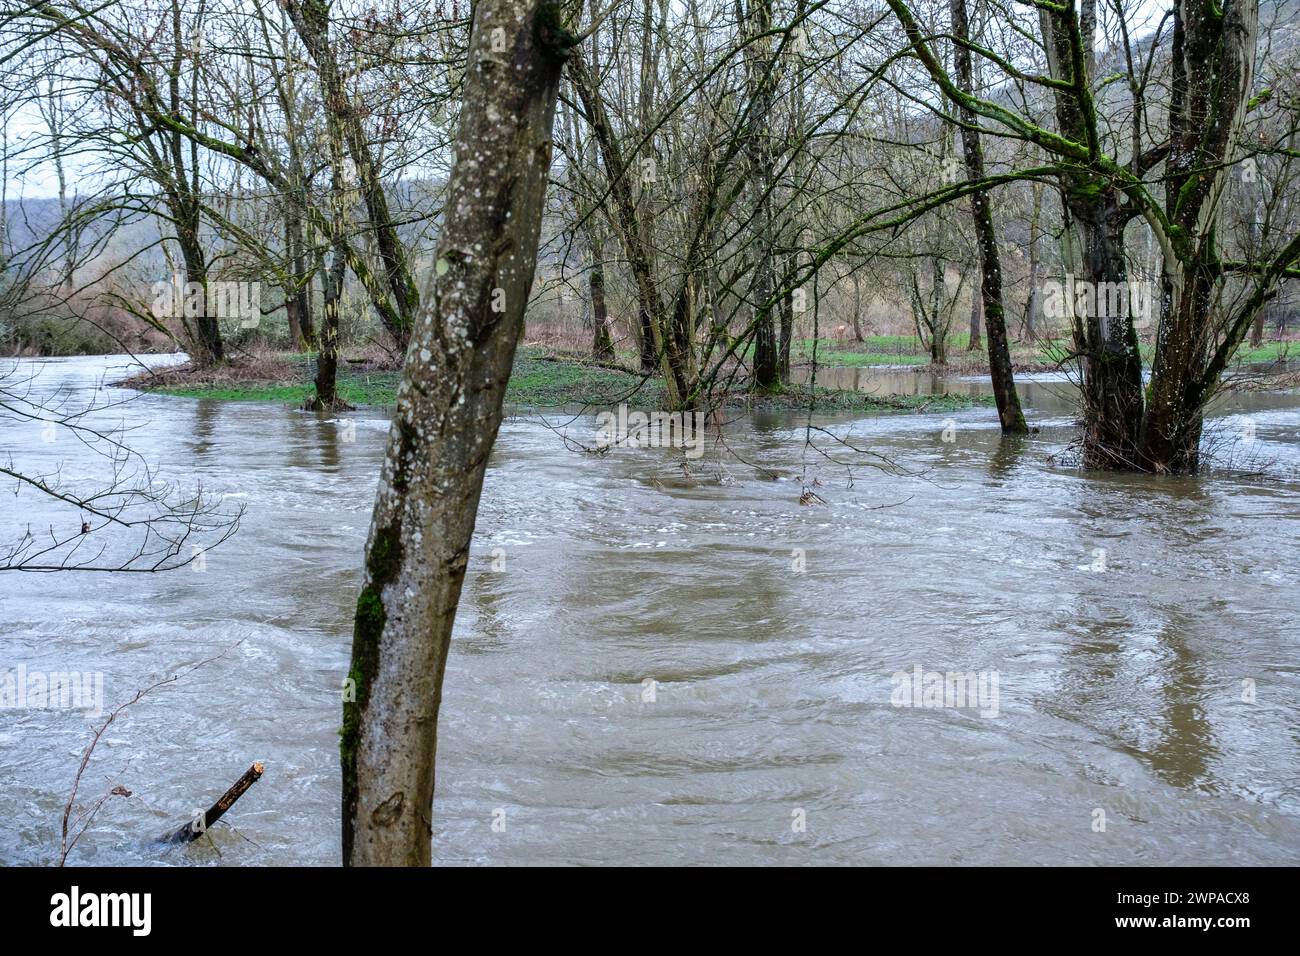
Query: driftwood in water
[[199, 825]]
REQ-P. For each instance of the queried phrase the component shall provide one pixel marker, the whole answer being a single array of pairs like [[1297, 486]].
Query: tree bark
[[646, 339], [1257, 331], [857, 309], [1107, 346], [786, 335], [297, 292], [205, 337], [327, 358], [295, 328], [446, 419], [1112, 363], [1034, 306], [311, 20], [602, 346], [995, 320], [761, 162], [939, 310], [1212, 67], [633, 235]]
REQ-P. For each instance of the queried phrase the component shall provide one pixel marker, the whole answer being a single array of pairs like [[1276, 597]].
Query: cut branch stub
[[202, 821]]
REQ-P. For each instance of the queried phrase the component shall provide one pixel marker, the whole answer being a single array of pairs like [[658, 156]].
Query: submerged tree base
[[314, 404]]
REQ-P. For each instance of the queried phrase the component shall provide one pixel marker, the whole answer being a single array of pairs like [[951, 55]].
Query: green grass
[[837, 399], [1267, 352], [876, 350], [899, 350], [371, 388], [906, 350], [539, 379], [864, 355], [1246, 354], [242, 393], [542, 380]]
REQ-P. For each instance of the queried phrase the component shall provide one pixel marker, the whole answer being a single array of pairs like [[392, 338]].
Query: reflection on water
[[1050, 394], [886, 381], [1186, 748], [641, 675]]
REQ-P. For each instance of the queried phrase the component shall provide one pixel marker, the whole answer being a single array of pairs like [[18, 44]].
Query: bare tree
[[447, 415], [131, 522]]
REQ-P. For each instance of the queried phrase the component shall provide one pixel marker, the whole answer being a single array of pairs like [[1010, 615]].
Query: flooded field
[[658, 664]]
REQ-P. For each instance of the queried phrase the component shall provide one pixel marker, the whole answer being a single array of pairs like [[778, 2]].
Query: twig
[[66, 845]]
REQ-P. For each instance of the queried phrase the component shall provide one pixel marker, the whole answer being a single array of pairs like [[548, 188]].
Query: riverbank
[[542, 378], [1028, 357]]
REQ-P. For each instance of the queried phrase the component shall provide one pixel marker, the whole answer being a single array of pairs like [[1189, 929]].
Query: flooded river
[[660, 665]]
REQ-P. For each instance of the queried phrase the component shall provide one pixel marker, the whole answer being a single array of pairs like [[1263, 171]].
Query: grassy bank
[[1041, 356], [541, 379]]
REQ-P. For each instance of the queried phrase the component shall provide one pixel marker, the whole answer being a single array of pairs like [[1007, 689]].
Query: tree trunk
[[761, 161], [857, 309], [1035, 305], [297, 301], [1107, 347], [941, 315], [787, 333], [296, 338], [327, 358], [767, 373], [206, 343], [1257, 331], [1212, 66], [632, 233], [305, 321], [1171, 430], [646, 339], [311, 20], [4, 198], [995, 321], [445, 422], [602, 346], [938, 349], [1112, 363], [211, 349]]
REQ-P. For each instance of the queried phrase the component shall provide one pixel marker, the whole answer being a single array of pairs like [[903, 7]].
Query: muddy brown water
[[654, 665]]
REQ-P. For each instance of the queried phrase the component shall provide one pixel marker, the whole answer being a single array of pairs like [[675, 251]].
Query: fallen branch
[[82, 822], [199, 825]]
